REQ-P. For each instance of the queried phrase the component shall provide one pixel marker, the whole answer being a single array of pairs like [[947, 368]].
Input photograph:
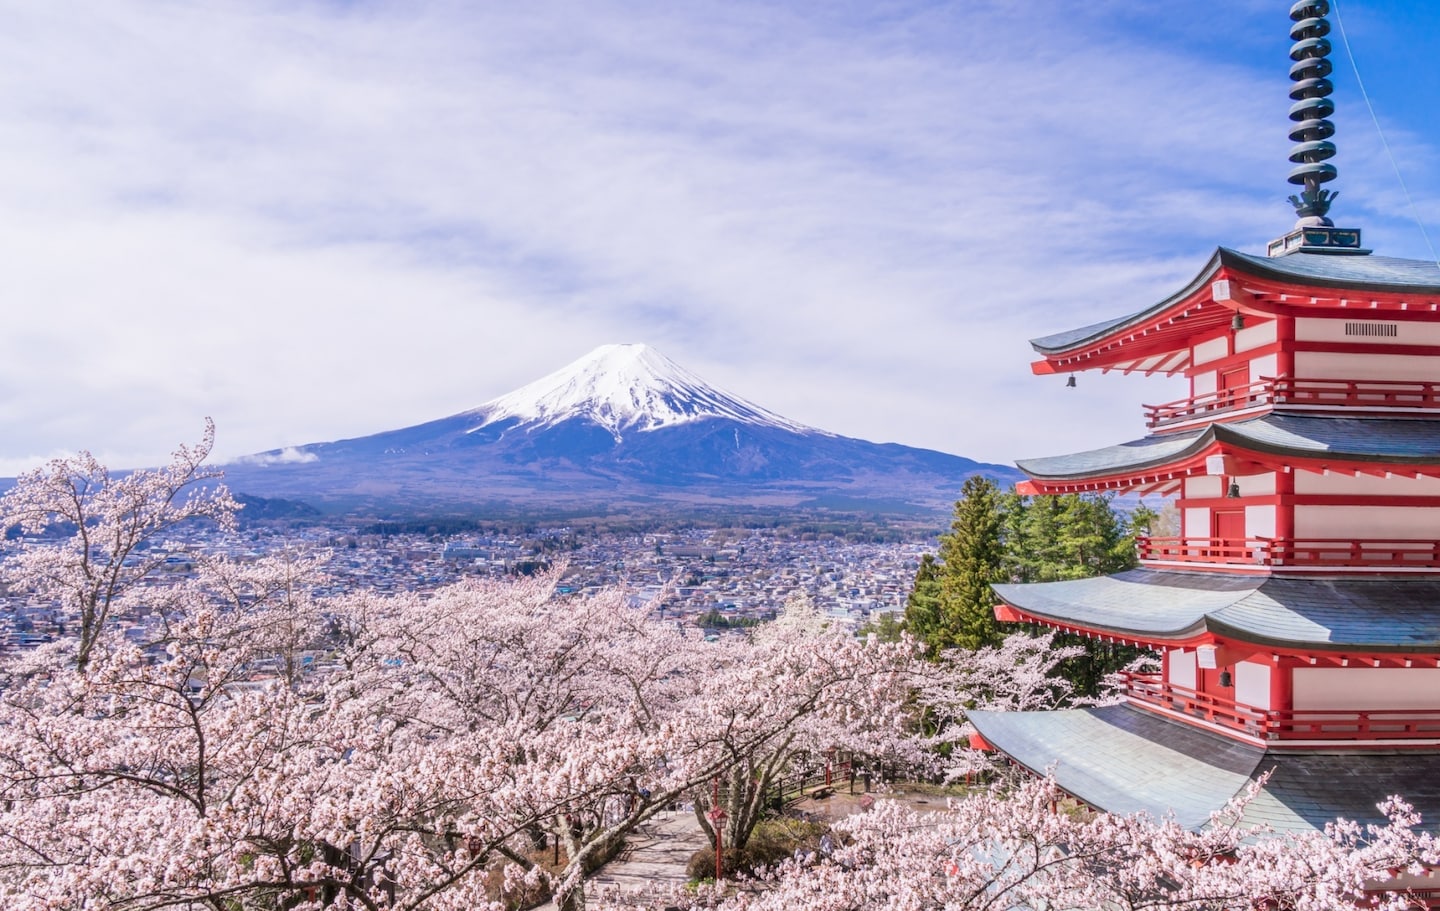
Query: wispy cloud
[[315, 220], [290, 455]]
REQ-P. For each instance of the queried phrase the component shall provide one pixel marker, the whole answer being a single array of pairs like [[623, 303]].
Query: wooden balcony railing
[[1301, 552], [1266, 724], [1285, 390], [1234, 399]]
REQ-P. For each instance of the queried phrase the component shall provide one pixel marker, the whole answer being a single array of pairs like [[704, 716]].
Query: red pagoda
[[1297, 611]]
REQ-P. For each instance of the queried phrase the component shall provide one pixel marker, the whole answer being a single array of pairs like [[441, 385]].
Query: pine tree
[[923, 615], [1005, 537], [972, 557]]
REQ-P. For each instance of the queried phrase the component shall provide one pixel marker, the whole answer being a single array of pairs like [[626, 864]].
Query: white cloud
[[290, 455], [313, 220]]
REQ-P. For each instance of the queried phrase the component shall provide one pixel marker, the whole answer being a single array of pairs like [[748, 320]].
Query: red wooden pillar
[[1285, 507], [1285, 346], [1282, 683]]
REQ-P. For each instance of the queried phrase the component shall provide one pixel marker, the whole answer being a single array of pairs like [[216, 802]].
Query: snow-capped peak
[[625, 387]]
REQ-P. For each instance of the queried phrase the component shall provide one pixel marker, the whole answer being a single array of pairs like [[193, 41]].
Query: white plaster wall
[[1182, 668], [1409, 523], [1255, 336], [1260, 521], [1307, 482], [1265, 365], [1358, 688], [1252, 683], [1338, 365], [1310, 329], [1204, 486], [1214, 349], [1203, 383], [1257, 485], [1197, 523]]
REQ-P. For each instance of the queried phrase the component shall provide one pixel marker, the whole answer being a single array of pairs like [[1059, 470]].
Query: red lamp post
[[717, 819]]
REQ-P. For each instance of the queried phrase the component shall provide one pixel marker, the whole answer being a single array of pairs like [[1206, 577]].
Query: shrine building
[[1297, 610]]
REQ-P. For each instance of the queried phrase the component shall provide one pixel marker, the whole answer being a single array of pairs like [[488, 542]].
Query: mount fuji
[[623, 427]]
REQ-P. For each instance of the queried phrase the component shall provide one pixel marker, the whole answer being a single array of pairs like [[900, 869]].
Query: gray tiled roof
[[1062, 340], [1358, 273], [1358, 439], [1155, 449], [1377, 273], [1126, 760], [1373, 614]]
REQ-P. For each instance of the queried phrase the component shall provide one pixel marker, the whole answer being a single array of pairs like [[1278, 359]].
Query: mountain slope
[[623, 425]]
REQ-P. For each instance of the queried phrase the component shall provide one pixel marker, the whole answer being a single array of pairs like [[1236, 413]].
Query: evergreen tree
[[923, 615], [1082, 536], [972, 557], [1005, 537]]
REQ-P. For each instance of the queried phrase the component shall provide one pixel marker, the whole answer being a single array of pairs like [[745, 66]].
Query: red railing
[[1267, 724], [1153, 690], [1285, 390], [1301, 552], [1233, 399]]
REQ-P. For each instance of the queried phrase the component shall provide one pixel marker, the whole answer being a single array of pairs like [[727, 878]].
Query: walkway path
[[654, 856], [656, 853]]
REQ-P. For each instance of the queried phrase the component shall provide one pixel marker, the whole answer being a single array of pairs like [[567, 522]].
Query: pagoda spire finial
[[1311, 130], [1311, 94]]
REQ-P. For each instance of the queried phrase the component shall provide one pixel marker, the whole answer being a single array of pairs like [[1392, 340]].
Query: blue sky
[[318, 220]]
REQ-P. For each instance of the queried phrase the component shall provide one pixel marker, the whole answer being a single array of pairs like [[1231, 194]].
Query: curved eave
[[1155, 461], [1087, 336], [1159, 330], [1146, 607], [1271, 442], [1153, 339], [1296, 616], [1189, 637]]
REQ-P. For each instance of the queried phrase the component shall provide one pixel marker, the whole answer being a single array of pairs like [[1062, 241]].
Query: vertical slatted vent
[[1373, 330]]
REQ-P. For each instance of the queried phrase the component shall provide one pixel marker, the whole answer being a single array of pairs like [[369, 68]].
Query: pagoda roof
[[1386, 614], [1329, 270], [1126, 760], [1146, 335], [1296, 438]]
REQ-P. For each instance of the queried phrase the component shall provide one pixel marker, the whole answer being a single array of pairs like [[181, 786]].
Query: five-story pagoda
[[1297, 612]]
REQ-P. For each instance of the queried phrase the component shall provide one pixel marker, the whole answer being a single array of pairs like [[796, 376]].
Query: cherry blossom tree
[[615, 717], [179, 780], [1022, 849], [110, 518], [416, 763], [1019, 675], [832, 692]]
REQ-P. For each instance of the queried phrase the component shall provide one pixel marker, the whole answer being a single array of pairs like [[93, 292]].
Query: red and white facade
[[1308, 448]]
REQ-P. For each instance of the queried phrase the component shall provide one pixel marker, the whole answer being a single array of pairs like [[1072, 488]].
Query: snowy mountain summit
[[622, 430], [624, 388]]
